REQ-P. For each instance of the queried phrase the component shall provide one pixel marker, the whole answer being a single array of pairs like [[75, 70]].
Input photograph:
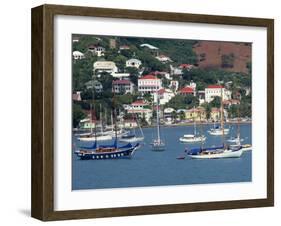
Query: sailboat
[[132, 137], [236, 141], [224, 151], [99, 152], [98, 136], [158, 144], [192, 138], [218, 131]]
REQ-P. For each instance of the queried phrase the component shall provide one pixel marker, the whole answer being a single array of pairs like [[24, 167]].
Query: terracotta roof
[[187, 90], [186, 66], [121, 82], [214, 86], [148, 77], [139, 102]]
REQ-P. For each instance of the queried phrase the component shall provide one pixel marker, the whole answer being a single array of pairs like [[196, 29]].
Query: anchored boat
[[107, 151], [224, 151], [157, 144], [193, 138]]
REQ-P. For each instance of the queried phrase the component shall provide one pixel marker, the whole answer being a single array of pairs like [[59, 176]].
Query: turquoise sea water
[[150, 168]]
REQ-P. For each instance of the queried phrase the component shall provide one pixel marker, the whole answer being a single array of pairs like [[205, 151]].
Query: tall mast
[[115, 115], [238, 127], [91, 106], [111, 118], [101, 124], [201, 131], [157, 117], [222, 118], [194, 123], [91, 121]]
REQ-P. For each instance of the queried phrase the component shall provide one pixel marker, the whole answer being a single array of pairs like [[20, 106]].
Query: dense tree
[[208, 109], [216, 102], [183, 102], [77, 115], [134, 74]]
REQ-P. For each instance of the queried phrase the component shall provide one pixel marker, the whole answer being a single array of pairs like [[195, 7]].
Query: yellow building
[[197, 114], [215, 114]]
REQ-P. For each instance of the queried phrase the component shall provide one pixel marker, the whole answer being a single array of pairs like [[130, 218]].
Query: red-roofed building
[[213, 91], [228, 103], [187, 91], [186, 66], [140, 108], [122, 86], [215, 86], [139, 104], [149, 84], [163, 95]]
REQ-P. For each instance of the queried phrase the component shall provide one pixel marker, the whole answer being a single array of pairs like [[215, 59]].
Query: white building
[[175, 71], [104, 66], [122, 86], [201, 96], [96, 50], [192, 85], [149, 84], [94, 84], [163, 59], [162, 74], [174, 85], [213, 91], [120, 75], [129, 124], [164, 96], [77, 55], [140, 108], [133, 63]]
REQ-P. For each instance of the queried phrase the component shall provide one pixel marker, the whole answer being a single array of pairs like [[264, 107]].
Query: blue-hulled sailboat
[[112, 151]]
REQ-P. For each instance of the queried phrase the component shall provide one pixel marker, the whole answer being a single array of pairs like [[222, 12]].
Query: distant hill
[[228, 56]]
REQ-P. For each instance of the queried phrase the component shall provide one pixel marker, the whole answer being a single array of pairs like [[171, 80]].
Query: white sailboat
[[132, 138], [158, 144], [98, 136], [237, 140], [224, 151], [218, 131], [192, 138]]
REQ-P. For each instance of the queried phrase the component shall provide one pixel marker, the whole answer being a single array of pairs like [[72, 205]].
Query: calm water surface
[[149, 168]]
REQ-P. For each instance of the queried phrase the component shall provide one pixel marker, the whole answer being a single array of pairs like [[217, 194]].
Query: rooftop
[[186, 66], [148, 77], [187, 90], [139, 102], [121, 82], [148, 46], [214, 86]]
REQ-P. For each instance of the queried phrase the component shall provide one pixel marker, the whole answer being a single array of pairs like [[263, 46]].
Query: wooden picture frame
[[43, 112]]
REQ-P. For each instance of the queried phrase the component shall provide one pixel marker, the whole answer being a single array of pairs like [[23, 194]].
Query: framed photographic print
[[141, 112]]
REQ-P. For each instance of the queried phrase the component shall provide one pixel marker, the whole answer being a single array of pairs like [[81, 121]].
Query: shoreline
[[180, 124], [197, 123]]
